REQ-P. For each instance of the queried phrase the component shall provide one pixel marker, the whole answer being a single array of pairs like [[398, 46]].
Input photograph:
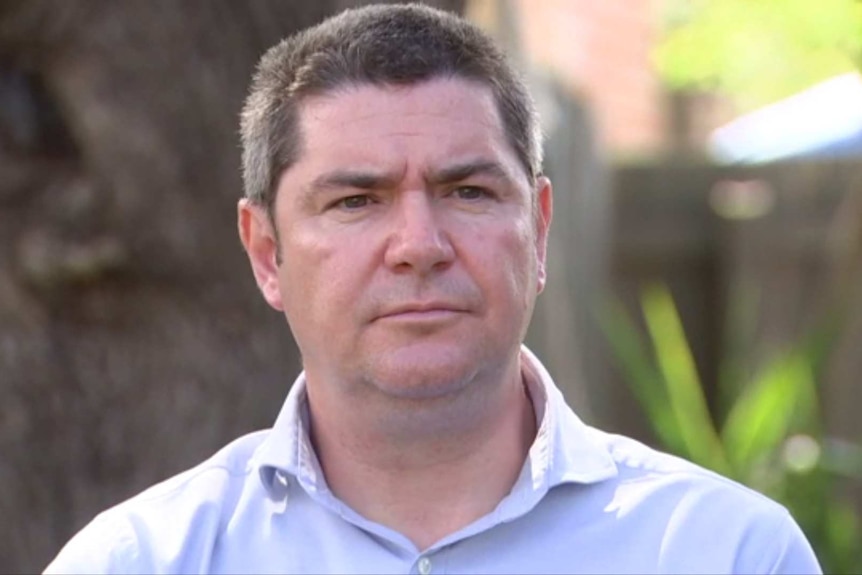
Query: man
[[396, 213]]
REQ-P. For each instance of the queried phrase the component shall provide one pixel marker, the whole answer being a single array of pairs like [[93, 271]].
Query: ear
[[544, 213], [261, 244]]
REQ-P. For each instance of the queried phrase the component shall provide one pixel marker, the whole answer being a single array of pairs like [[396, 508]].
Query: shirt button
[[424, 566], [281, 478]]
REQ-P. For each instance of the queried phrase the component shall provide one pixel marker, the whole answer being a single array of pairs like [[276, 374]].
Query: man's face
[[411, 251]]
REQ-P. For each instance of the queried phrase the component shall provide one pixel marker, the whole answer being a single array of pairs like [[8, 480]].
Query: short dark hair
[[378, 45]]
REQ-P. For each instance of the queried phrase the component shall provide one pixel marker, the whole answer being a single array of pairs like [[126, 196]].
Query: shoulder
[[696, 517], [642, 467], [183, 512], [206, 481], [209, 484]]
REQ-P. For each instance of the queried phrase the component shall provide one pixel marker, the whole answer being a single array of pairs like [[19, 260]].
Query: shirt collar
[[565, 449], [287, 450]]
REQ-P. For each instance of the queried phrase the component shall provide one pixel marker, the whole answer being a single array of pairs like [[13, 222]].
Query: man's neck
[[428, 486]]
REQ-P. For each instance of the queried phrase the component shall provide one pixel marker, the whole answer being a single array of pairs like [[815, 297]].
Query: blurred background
[[705, 290]]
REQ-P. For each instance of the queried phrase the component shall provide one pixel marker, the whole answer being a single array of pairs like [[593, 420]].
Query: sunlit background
[[723, 139]]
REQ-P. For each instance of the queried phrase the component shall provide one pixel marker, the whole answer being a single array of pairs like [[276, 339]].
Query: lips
[[420, 310]]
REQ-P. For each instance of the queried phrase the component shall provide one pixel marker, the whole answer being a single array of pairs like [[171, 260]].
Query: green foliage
[[685, 396], [758, 51], [771, 437]]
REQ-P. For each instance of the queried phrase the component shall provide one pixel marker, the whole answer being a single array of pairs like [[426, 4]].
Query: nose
[[418, 240]]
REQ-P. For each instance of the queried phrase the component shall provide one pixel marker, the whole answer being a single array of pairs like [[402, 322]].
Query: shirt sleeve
[[795, 555], [105, 545]]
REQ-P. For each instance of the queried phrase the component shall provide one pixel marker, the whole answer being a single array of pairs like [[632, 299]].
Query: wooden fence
[[772, 250], [785, 237]]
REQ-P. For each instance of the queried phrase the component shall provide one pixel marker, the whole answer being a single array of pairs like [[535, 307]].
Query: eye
[[470, 193], [353, 202]]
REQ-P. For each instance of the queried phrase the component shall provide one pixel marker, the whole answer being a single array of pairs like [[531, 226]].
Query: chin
[[407, 376], [417, 384], [433, 371]]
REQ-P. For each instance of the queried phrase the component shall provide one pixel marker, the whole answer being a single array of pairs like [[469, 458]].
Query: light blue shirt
[[585, 502]]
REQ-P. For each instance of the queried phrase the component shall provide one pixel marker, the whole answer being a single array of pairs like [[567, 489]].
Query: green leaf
[[761, 418], [640, 372], [758, 52], [684, 390], [842, 537]]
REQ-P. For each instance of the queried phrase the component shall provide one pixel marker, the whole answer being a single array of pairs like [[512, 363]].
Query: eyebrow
[[370, 180], [361, 179], [464, 170]]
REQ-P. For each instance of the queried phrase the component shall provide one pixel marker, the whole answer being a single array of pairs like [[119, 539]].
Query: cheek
[[323, 282], [510, 268], [303, 265], [314, 299], [521, 244]]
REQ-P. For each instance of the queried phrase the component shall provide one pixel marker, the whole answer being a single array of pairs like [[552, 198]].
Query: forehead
[[431, 122]]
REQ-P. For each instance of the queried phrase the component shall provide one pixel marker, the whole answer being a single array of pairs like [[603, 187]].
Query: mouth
[[430, 311]]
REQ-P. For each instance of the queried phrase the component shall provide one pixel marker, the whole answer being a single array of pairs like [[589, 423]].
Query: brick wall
[[601, 51]]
